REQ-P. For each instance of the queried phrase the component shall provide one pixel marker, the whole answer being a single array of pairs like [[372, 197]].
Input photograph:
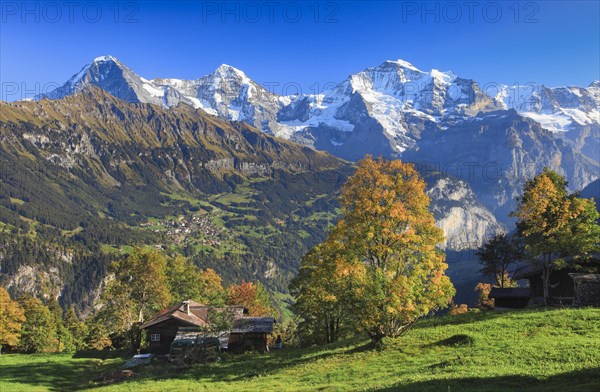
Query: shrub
[[459, 309]]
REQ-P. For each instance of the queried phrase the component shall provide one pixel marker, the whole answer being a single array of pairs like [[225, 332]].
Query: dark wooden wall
[[168, 331]]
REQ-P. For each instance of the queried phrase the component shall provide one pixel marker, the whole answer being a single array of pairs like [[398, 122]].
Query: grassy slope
[[534, 350]]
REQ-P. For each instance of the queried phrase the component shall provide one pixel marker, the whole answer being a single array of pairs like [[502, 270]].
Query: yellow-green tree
[[187, 281], [65, 339], [139, 290], [556, 225], [323, 294], [211, 287], [387, 227], [253, 296], [387, 259], [39, 329], [76, 327], [11, 320]]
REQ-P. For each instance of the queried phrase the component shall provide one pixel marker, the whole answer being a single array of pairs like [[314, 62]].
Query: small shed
[[562, 284], [510, 297], [560, 288], [250, 330], [587, 289]]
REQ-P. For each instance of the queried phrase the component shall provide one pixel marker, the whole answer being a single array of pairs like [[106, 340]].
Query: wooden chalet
[[567, 286], [189, 316], [162, 328], [561, 285]]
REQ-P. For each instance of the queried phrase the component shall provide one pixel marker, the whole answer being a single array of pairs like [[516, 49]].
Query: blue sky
[[308, 44]]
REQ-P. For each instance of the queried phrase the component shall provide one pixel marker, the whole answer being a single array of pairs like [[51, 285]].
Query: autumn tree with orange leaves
[[253, 296], [11, 320], [385, 252]]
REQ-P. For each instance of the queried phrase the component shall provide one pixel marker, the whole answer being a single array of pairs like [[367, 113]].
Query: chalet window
[[155, 337]]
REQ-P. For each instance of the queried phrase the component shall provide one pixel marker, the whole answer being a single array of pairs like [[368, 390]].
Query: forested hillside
[[86, 178]]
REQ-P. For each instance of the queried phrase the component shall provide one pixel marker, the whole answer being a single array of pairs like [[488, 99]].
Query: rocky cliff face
[[571, 113], [183, 141], [36, 280], [497, 152], [465, 221]]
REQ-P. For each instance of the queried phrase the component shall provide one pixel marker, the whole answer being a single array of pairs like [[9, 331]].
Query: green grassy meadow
[[529, 350]]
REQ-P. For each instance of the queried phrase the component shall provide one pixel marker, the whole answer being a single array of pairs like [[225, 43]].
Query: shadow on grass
[[578, 381], [55, 374], [455, 341], [368, 346], [240, 367], [103, 354]]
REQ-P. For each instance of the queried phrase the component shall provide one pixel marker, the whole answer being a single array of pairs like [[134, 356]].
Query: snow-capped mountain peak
[[571, 112], [102, 59], [382, 108], [444, 77], [228, 73], [403, 64], [228, 69]]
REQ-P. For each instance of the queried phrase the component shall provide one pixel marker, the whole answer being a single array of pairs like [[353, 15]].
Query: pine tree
[[76, 328]]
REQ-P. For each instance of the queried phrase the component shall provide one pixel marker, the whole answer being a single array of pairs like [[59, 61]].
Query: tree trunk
[[377, 336], [545, 281], [136, 338], [546, 271], [332, 330]]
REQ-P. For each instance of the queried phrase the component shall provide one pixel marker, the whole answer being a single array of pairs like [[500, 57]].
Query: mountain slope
[[497, 152], [572, 113], [90, 175], [86, 177], [382, 110]]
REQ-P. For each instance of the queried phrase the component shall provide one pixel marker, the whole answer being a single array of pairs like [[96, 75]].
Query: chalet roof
[[253, 325], [585, 277], [189, 312], [510, 292], [527, 270]]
